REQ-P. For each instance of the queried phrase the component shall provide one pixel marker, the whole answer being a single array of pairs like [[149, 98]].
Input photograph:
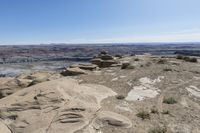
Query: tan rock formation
[[72, 71], [58, 106]]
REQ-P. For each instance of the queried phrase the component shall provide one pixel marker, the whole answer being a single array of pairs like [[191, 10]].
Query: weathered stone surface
[[84, 66], [116, 65], [96, 61], [109, 118], [9, 86], [108, 63], [103, 63], [72, 71], [4, 128], [59, 106]]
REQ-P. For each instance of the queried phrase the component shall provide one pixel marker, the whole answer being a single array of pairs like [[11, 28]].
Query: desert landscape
[[104, 91], [18, 59], [99, 66]]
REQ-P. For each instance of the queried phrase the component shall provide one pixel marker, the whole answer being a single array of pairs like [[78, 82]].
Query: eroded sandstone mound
[[58, 106], [10, 85]]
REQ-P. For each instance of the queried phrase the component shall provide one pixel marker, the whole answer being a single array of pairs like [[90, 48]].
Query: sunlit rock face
[[58, 106]]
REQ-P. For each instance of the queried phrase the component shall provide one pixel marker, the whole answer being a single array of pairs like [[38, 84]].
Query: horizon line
[[102, 43]]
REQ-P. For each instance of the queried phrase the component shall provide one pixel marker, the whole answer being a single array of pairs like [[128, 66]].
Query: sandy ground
[[144, 89]]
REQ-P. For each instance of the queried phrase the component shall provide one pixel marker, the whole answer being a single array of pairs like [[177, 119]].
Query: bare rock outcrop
[[58, 106], [72, 71], [10, 85]]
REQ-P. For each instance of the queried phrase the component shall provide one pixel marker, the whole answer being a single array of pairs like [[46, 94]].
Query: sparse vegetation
[[165, 112], [35, 97], [136, 59], [148, 64], [34, 82], [120, 97], [127, 66], [161, 61], [180, 57], [158, 130], [186, 58], [170, 100], [154, 111], [131, 67], [143, 115], [1, 95], [119, 56], [132, 55], [193, 59], [167, 69]]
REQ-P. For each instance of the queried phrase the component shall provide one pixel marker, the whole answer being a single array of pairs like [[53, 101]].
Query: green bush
[[158, 130], [193, 59], [127, 66], [136, 59], [143, 115], [120, 97], [170, 100], [162, 61], [154, 111], [165, 112], [180, 57], [131, 67], [186, 58], [119, 56], [167, 69], [34, 82]]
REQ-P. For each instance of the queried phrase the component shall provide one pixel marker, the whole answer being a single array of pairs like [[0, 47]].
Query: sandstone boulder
[[72, 71]]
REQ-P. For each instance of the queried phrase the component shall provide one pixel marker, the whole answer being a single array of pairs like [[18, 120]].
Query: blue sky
[[99, 21]]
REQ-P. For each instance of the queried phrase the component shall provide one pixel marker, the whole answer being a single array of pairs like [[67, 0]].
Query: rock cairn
[[104, 60]]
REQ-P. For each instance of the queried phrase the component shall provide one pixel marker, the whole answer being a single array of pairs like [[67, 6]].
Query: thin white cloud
[[188, 35], [180, 36]]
